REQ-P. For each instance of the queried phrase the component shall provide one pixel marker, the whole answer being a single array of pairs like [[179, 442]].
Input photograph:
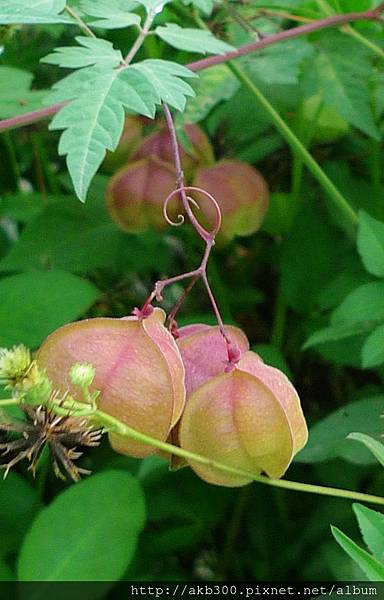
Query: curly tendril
[[187, 201]]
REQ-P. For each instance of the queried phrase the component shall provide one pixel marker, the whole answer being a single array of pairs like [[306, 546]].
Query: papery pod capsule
[[249, 419], [204, 352], [136, 193], [241, 193], [159, 145], [139, 372]]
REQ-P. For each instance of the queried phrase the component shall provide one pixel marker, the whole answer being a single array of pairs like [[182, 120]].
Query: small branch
[[205, 63], [288, 34], [140, 39], [112, 424], [30, 117], [83, 26]]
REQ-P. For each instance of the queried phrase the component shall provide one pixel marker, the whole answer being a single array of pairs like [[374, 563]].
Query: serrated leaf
[[94, 120], [92, 51], [33, 12], [112, 14], [370, 243], [342, 77], [18, 98], [372, 352], [192, 40], [165, 78], [328, 437], [371, 524], [377, 448], [108, 506], [369, 564]]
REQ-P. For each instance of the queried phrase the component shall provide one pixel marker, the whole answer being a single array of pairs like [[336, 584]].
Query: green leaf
[[34, 304], [280, 64], [342, 76], [206, 6], [377, 448], [153, 6], [339, 331], [17, 98], [94, 120], [371, 524], [370, 243], [365, 304], [307, 267], [165, 78], [372, 353], [213, 86], [192, 40], [370, 565], [112, 14], [328, 437], [92, 51], [32, 12], [93, 528], [19, 503]]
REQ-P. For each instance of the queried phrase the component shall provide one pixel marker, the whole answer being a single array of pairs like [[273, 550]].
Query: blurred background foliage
[[305, 294]]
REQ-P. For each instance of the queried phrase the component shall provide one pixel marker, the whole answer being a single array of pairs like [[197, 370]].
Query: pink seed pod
[[136, 193], [240, 191], [249, 419], [159, 145], [139, 372], [204, 352]]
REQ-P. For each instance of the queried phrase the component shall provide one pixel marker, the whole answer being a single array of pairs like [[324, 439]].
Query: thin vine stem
[[83, 26], [205, 63], [334, 194], [112, 424]]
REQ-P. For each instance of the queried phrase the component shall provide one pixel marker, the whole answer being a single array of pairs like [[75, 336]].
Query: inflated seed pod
[[241, 193], [249, 418], [139, 372], [159, 145], [136, 193]]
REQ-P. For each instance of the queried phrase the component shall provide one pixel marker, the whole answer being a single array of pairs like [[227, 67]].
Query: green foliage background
[[308, 290]]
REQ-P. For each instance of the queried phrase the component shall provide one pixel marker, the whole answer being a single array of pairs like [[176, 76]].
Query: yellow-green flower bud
[[14, 365], [82, 374]]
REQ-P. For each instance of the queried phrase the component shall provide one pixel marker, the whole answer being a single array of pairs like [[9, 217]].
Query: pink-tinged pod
[[139, 372], [249, 419], [136, 193], [241, 193], [204, 352], [159, 145]]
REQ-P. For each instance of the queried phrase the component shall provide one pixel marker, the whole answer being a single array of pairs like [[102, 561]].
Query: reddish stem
[[205, 63], [207, 236]]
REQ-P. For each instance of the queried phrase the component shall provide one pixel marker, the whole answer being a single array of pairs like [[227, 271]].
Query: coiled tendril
[[187, 201]]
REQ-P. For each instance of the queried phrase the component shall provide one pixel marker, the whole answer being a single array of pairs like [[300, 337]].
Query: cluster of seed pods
[[237, 410], [136, 192]]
